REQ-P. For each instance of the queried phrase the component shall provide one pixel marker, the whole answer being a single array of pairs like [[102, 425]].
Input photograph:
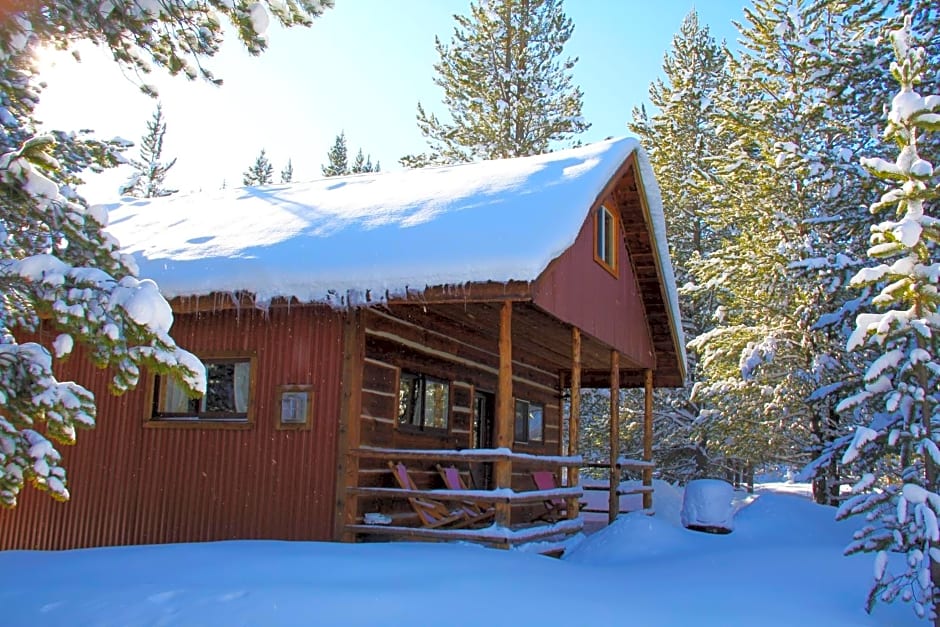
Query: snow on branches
[[897, 451], [60, 272], [57, 268]]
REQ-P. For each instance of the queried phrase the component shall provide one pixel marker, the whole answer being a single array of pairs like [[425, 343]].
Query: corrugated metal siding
[[577, 290], [132, 484]]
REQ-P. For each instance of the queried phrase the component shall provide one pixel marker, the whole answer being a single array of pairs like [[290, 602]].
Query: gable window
[[423, 402], [529, 421], [227, 398], [605, 239]]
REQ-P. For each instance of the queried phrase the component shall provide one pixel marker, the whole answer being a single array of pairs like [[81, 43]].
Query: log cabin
[[440, 316]]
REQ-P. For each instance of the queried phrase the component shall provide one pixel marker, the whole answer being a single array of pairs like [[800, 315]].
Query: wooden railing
[[500, 534], [497, 534], [615, 490]]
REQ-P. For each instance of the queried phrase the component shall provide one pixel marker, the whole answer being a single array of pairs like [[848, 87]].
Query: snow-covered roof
[[390, 233]]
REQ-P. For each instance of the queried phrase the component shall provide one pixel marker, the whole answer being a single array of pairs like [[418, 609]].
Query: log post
[[347, 466], [574, 416], [504, 411], [614, 481], [648, 437]]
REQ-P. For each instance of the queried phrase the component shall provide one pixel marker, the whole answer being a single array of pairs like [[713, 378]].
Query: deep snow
[[782, 565]]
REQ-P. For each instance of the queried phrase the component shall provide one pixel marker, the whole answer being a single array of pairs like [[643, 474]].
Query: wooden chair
[[431, 513], [556, 508], [476, 512]]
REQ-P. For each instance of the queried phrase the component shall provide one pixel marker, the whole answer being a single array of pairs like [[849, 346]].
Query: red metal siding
[[131, 484], [578, 290]]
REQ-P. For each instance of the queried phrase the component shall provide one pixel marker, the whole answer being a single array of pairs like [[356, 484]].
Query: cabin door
[[484, 410]]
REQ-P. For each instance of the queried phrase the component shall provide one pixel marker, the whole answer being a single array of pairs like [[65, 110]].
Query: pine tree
[[681, 138], [150, 172], [363, 163], [784, 208], [261, 172], [507, 91], [287, 174], [337, 162], [59, 270], [896, 454]]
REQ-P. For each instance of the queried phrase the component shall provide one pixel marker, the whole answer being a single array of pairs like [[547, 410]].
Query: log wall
[[393, 346]]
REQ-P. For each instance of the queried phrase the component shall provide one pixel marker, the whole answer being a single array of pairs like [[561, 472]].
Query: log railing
[[496, 534], [615, 490]]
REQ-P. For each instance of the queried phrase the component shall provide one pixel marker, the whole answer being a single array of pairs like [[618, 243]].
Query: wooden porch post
[[648, 438], [574, 418], [614, 497], [347, 466], [504, 411]]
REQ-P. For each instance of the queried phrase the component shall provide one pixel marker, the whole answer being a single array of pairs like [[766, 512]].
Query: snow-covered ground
[[782, 565]]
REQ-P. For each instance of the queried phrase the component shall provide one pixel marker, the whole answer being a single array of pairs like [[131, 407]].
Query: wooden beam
[[574, 418], [614, 498], [504, 411], [648, 439], [347, 472]]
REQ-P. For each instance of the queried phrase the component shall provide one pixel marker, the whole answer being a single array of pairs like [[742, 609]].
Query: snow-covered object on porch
[[366, 237], [708, 506]]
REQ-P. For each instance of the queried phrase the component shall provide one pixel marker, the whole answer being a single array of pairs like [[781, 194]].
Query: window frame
[[304, 391], [522, 429], [606, 232], [160, 418], [420, 409]]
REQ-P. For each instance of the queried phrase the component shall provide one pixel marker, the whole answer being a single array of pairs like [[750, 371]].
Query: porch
[[512, 530], [381, 344]]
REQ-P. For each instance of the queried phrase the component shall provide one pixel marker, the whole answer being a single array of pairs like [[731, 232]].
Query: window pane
[[241, 385], [407, 399], [220, 390], [608, 238], [436, 402], [175, 400], [605, 236], [227, 397], [522, 421], [536, 414]]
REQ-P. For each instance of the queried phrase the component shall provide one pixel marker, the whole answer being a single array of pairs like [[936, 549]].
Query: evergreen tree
[[363, 163], [261, 172], [896, 454], [784, 209], [147, 180], [337, 161], [682, 138], [287, 174], [507, 91], [58, 268]]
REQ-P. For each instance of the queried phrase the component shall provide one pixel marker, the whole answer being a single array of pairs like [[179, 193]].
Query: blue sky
[[361, 68]]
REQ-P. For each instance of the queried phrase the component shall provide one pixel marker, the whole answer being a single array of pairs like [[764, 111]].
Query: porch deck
[[517, 525]]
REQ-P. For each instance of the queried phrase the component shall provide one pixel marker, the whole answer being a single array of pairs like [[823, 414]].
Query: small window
[[423, 402], [530, 419], [605, 239], [227, 398], [296, 404]]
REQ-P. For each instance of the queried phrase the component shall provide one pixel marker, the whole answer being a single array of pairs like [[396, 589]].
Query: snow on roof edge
[[654, 205]]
